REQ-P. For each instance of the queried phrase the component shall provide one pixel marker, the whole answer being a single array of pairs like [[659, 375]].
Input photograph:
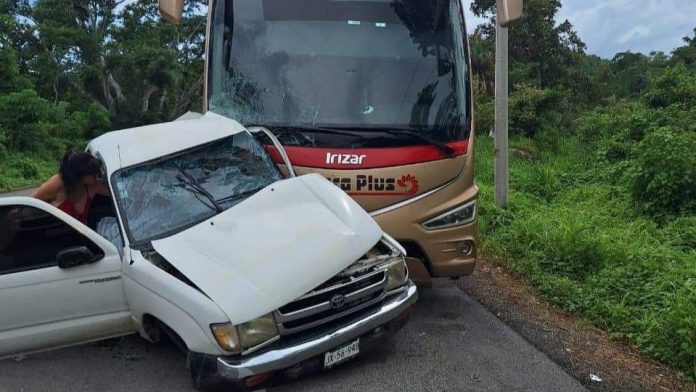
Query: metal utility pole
[[501, 115]]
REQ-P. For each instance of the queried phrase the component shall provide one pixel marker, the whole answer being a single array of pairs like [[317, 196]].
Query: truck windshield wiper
[[197, 189], [413, 133], [238, 195]]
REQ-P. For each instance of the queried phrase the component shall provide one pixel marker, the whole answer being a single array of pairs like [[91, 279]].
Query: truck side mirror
[[171, 10], [74, 256], [508, 11]]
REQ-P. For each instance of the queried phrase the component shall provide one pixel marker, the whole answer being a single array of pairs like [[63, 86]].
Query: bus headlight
[[397, 274], [457, 216]]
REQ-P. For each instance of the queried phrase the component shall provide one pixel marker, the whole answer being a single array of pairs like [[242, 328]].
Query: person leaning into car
[[74, 186]]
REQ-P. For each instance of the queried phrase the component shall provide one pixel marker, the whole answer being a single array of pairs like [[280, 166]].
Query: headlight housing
[[397, 274], [247, 335], [226, 336], [257, 331], [457, 216]]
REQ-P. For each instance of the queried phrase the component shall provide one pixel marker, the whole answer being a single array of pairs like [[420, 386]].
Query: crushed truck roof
[[132, 146]]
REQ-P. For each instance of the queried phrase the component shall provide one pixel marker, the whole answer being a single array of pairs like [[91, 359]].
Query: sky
[[612, 26]]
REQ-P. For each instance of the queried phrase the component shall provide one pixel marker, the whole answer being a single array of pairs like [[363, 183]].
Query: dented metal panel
[[130, 147], [273, 247]]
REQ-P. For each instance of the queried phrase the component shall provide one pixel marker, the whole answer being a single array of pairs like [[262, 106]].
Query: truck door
[[60, 282]]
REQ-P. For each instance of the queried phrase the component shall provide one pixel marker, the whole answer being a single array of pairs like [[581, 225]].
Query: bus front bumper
[[448, 252]]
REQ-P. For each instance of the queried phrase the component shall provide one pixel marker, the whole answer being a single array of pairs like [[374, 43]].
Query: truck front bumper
[[396, 305]]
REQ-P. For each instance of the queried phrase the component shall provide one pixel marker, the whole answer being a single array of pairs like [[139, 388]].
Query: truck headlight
[[397, 274], [226, 336], [257, 331], [458, 216], [247, 335]]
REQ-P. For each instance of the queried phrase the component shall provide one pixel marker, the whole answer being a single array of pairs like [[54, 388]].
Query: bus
[[375, 95]]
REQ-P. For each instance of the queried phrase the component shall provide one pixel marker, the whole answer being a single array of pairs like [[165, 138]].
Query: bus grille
[[336, 299]]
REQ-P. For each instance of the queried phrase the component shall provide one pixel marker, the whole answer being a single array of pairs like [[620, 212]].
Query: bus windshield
[[367, 66]]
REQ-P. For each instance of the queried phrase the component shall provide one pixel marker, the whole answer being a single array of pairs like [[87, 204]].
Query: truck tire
[[204, 375]]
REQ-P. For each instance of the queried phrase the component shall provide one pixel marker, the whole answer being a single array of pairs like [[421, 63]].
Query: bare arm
[[49, 190]]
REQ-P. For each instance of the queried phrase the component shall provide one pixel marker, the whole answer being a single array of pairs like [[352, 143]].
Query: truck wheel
[[211, 383], [205, 378], [204, 381]]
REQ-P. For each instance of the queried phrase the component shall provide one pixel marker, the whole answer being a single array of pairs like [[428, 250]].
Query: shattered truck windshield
[[163, 197], [367, 66]]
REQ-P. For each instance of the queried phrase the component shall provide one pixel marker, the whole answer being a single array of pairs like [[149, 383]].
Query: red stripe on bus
[[373, 157], [375, 193]]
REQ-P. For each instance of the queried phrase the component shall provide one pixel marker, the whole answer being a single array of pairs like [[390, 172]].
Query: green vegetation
[[72, 70], [602, 216]]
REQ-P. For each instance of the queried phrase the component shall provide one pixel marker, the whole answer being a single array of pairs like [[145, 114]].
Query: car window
[[31, 238]]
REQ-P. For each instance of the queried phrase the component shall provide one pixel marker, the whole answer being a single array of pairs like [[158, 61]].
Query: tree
[[160, 65], [11, 80], [72, 70], [687, 53], [547, 49], [483, 62], [28, 120]]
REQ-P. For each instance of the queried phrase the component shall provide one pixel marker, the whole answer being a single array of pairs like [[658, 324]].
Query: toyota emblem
[[337, 301]]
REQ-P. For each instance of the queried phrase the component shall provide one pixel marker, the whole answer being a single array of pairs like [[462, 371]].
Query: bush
[[25, 167], [676, 85], [665, 177], [90, 124], [485, 114], [28, 120], [19, 170], [533, 109], [580, 241], [3, 142], [621, 121], [681, 233]]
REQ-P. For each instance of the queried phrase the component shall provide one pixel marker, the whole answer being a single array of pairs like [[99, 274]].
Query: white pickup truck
[[251, 274]]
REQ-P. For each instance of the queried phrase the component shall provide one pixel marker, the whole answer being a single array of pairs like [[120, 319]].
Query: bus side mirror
[[171, 10], [508, 11]]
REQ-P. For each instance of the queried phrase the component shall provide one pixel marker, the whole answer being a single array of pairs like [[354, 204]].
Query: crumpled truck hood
[[273, 247]]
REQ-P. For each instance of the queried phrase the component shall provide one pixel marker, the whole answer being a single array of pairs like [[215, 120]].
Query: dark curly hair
[[74, 166]]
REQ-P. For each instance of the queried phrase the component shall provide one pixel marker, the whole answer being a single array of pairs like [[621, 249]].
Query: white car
[[248, 272]]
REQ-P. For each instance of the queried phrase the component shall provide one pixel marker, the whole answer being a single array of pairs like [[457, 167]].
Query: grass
[[19, 170], [579, 239]]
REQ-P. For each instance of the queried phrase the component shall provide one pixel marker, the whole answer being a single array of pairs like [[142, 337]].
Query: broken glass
[[335, 64], [158, 200]]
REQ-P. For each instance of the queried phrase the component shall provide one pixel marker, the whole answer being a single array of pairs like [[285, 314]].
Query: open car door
[[60, 282]]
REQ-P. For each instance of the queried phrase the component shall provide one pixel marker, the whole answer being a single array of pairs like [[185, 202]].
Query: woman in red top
[[74, 186]]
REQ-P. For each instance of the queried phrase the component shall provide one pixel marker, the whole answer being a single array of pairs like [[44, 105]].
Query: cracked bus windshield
[[362, 66], [161, 198]]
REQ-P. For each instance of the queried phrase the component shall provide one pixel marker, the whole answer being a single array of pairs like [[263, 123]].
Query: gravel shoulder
[[571, 342]]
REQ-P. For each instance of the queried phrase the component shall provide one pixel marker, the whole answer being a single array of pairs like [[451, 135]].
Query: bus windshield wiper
[[197, 189], [414, 133], [324, 130], [358, 135]]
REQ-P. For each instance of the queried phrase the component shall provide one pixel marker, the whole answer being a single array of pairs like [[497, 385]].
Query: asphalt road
[[451, 343], [25, 192]]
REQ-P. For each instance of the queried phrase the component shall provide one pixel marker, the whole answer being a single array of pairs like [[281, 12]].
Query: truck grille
[[336, 299]]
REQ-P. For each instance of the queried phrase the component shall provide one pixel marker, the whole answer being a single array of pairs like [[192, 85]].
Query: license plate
[[344, 353]]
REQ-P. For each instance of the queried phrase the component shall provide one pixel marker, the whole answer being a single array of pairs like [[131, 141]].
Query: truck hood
[[273, 247]]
